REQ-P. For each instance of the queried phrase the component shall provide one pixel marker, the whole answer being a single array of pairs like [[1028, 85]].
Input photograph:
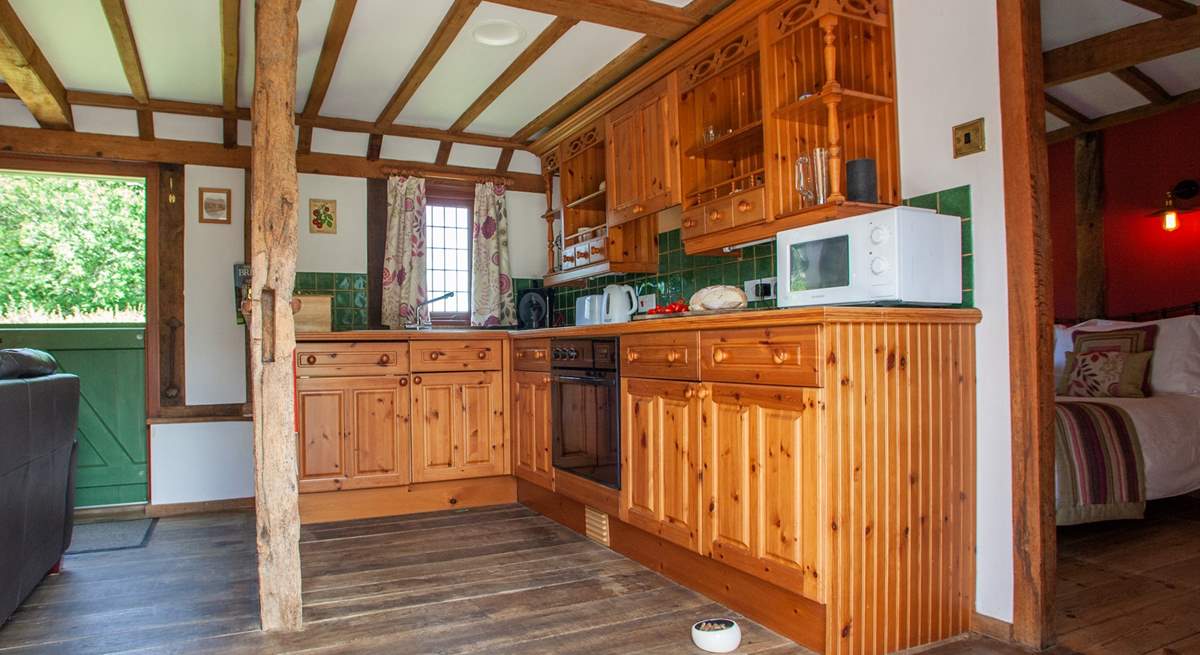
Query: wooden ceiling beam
[[443, 153], [1169, 9], [1064, 111], [93, 99], [702, 9], [1143, 84], [331, 50], [1121, 48], [36, 142], [505, 160], [117, 16], [642, 16], [538, 47], [231, 22], [452, 23], [374, 146], [29, 74], [633, 56], [1127, 116]]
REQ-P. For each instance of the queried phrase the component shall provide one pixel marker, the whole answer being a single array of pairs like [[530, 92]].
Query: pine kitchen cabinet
[[531, 428], [458, 426], [643, 153]]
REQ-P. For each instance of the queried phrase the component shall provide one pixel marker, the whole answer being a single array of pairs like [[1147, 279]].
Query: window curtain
[[404, 253], [491, 276]]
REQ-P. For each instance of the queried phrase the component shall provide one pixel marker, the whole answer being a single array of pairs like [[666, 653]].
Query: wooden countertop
[[749, 318]]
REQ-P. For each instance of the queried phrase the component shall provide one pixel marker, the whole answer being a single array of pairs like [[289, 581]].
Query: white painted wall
[[527, 234], [215, 345], [948, 73], [346, 251], [194, 462]]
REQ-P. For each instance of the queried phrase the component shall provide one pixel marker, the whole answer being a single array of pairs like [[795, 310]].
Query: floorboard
[[491, 580]]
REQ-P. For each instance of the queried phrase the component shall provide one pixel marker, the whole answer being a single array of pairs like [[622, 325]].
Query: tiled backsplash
[[349, 291], [680, 275]]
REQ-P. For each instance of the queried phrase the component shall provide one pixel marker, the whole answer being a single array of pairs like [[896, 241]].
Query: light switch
[[968, 138]]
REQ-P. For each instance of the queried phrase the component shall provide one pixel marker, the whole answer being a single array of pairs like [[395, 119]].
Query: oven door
[[585, 412]]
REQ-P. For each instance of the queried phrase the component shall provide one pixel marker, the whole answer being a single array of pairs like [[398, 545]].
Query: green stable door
[[110, 363]]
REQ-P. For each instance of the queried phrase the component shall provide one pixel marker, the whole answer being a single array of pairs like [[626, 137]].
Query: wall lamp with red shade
[[1184, 190]]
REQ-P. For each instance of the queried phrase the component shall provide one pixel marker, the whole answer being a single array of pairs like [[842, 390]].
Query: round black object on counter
[[861, 182]]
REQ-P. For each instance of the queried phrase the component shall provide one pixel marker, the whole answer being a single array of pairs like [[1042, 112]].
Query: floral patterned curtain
[[491, 276], [404, 253]]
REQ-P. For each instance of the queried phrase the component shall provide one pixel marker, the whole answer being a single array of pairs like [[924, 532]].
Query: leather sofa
[[38, 416]]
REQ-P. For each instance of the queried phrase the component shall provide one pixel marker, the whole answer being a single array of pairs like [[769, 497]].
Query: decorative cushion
[[1107, 374], [1126, 340], [1175, 367], [26, 363]]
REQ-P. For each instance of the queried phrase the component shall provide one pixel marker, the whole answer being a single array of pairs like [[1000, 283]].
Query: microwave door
[[820, 270]]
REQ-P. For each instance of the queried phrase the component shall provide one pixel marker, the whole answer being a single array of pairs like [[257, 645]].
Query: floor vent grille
[[596, 525]]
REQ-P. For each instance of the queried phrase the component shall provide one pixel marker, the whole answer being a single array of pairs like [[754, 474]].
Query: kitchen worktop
[[748, 318]]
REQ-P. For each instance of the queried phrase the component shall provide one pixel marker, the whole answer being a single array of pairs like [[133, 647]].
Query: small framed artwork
[[322, 216], [214, 205]]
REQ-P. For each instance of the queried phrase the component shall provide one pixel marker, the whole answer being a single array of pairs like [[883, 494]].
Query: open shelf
[[713, 243], [734, 145], [596, 197], [717, 191], [578, 275], [812, 110]]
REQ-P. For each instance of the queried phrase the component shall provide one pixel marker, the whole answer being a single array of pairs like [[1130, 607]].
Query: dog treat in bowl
[[717, 635]]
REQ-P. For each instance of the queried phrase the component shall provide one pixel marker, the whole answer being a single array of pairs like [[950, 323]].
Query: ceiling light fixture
[[497, 32]]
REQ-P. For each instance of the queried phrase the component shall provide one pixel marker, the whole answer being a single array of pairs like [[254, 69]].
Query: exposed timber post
[[272, 330]]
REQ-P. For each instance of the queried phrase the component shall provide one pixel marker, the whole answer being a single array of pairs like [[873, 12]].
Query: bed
[[1115, 453]]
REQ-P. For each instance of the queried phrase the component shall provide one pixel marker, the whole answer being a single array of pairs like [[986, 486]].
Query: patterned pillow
[[1107, 374], [1126, 340]]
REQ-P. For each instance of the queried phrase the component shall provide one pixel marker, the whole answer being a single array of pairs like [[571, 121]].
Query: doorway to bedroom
[[73, 283]]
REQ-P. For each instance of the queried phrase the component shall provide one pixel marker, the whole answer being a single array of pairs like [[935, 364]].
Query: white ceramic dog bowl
[[725, 640]]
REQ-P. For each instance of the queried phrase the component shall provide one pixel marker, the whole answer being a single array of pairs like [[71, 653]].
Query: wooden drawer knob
[[539, 354], [596, 250], [311, 360], [714, 215], [745, 206], [779, 356], [673, 356], [385, 359], [435, 355], [637, 209], [417, 380], [545, 379], [632, 355], [404, 382], [701, 392], [482, 354], [689, 223], [720, 355]]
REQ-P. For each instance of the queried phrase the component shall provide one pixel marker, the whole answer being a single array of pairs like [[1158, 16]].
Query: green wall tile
[[927, 201], [955, 202]]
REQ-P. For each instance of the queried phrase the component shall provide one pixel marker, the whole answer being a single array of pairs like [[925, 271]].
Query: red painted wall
[[1147, 268]]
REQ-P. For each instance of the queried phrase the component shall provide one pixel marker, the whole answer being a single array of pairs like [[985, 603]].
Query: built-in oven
[[585, 396]]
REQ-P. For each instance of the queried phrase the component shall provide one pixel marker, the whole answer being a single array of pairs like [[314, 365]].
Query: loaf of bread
[[721, 296]]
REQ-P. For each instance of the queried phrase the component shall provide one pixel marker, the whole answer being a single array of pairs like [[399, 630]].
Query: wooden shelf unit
[[734, 145], [832, 85]]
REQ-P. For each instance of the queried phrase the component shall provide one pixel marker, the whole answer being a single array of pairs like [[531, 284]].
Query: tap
[[422, 325]]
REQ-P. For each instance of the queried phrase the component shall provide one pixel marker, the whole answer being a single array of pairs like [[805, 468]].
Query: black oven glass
[[584, 399]]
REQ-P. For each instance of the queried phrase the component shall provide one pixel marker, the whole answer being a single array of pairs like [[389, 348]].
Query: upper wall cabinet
[[643, 153]]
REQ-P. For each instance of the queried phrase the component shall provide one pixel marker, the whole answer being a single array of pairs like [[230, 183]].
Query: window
[[448, 260]]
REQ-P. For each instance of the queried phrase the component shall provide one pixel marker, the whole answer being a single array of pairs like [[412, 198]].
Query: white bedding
[[1168, 427]]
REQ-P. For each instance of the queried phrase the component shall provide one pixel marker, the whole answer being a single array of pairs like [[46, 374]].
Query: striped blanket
[[1098, 464]]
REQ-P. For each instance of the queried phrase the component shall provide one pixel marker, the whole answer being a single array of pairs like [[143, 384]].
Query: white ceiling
[[1069, 21], [179, 43]]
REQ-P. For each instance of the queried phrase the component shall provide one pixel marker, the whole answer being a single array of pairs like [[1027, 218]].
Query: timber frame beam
[[231, 22], [117, 16], [30, 75], [1121, 48], [644, 16], [1169, 9], [331, 50], [1126, 116]]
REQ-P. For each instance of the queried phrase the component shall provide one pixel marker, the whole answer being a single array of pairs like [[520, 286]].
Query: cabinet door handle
[[720, 355], [701, 391], [690, 392], [745, 206], [632, 355], [311, 359], [779, 356], [417, 380], [545, 379], [637, 209], [385, 359], [404, 382]]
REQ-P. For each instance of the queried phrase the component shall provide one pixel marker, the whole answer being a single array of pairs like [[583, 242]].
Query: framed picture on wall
[[322, 216], [214, 205]]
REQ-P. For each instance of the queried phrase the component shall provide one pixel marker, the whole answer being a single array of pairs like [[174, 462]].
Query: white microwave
[[902, 255]]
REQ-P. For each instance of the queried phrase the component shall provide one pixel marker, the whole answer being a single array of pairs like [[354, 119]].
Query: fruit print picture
[[322, 216]]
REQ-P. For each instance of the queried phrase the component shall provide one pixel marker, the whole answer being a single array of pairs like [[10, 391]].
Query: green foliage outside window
[[72, 248]]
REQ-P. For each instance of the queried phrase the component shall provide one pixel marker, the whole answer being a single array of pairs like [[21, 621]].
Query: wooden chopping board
[[315, 314]]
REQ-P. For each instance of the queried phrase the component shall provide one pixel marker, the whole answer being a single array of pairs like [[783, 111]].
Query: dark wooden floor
[[1132, 587], [496, 580]]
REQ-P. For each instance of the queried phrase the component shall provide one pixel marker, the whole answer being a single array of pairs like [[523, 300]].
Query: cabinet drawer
[[582, 254], [787, 356], [531, 354], [668, 355], [597, 249], [717, 216], [748, 207], [692, 223], [360, 358], [455, 356]]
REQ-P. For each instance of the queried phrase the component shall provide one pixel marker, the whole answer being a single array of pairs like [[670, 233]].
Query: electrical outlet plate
[[751, 289], [968, 138], [647, 302]]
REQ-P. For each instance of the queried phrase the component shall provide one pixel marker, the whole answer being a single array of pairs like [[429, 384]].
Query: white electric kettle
[[620, 303]]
